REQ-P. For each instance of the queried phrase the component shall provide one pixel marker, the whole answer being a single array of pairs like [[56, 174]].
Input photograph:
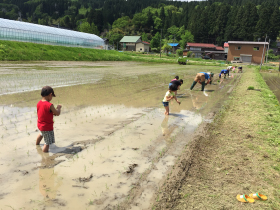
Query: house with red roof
[[201, 49]]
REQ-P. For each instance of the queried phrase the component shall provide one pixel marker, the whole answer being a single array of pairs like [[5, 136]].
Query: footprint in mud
[[131, 168], [84, 179], [22, 172]]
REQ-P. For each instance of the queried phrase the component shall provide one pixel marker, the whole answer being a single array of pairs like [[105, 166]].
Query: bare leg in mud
[[46, 148], [166, 110], [39, 139]]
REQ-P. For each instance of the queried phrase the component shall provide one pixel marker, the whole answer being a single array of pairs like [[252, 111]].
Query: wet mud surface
[[114, 146], [273, 81]]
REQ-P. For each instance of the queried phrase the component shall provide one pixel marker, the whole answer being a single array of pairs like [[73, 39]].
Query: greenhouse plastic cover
[[4, 23]]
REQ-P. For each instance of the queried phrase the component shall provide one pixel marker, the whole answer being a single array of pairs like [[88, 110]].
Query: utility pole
[[160, 44], [267, 50], [263, 51], [173, 42]]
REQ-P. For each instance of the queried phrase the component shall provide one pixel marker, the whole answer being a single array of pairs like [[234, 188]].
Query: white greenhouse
[[29, 32]]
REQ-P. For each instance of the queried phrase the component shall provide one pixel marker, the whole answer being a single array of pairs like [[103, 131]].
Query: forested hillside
[[212, 21]]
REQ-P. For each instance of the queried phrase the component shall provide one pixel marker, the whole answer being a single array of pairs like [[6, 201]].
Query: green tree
[[122, 22], [155, 42], [186, 37], [263, 24], [162, 14], [115, 36], [274, 24], [88, 28], [139, 20], [166, 47], [144, 37]]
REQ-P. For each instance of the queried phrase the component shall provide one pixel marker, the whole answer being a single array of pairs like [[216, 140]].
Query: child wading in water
[[170, 94], [45, 112]]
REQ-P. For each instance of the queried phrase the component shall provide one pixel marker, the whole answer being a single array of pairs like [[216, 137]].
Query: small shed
[[129, 42], [143, 47]]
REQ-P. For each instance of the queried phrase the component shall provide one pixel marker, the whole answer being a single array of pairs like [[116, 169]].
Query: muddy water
[[111, 135], [273, 81]]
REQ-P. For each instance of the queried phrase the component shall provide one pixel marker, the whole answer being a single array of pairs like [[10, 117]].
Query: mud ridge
[[168, 194]]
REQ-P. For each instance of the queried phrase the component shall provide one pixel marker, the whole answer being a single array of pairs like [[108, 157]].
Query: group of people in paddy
[[202, 78], [46, 110]]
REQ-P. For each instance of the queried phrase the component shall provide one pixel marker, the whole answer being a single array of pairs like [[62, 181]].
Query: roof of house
[[173, 44], [216, 52], [220, 48], [204, 45], [130, 38], [145, 42], [225, 44], [245, 42]]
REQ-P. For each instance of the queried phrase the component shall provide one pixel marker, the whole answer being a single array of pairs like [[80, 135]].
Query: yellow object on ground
[[245, 199], [258, 196]]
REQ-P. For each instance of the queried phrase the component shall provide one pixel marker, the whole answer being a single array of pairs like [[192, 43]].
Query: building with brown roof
[[200, 49], [246, 52]]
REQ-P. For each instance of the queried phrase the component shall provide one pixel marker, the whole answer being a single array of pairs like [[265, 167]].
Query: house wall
[[129, 46], [140, 47], [246, 49]]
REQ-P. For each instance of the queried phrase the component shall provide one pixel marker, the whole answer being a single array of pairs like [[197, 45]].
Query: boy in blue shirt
[[224, 72]]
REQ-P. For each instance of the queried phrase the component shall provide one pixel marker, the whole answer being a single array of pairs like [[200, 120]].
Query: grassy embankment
[[239, 155], [23, 51]]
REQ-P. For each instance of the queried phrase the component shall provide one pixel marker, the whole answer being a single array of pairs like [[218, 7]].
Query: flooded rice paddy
[[111, 138], [273, 81]]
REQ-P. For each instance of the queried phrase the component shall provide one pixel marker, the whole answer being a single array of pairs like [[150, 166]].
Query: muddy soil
[[113, 143], [231, 156], [273, 81]]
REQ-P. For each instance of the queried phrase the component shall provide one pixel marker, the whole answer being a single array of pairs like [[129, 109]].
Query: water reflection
[[48, 180]]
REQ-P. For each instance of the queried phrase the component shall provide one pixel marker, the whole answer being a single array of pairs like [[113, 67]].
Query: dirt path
[[236, 154]]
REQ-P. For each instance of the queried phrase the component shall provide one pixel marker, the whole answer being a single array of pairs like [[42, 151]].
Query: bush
[[189, 54], [155, 49], [179, 52], [251, 88]]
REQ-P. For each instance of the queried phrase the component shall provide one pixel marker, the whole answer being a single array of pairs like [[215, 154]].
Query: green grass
[[24, 51]]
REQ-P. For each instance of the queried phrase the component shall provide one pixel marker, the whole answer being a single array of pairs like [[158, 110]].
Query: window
[[140, 49], [236, 58], [195, 48], [256, 48], [238, 48]]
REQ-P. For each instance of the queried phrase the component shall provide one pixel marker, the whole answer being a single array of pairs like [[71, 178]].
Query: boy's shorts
[[48, 137], [165, 104]]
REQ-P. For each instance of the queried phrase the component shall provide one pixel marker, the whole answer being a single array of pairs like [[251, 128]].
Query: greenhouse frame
[[28, 32]]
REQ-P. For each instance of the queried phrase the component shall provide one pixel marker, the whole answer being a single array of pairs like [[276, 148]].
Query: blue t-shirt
[[224, 71], [206, 75]]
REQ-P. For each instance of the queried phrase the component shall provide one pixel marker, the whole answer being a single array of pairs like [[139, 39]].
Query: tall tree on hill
[[237, 33], [162, 14], [99, 19], [150, 21], [203, 27], [274, 24], [262, 26], [195, 24], [230, 24], [155, 42], [221, 22]]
